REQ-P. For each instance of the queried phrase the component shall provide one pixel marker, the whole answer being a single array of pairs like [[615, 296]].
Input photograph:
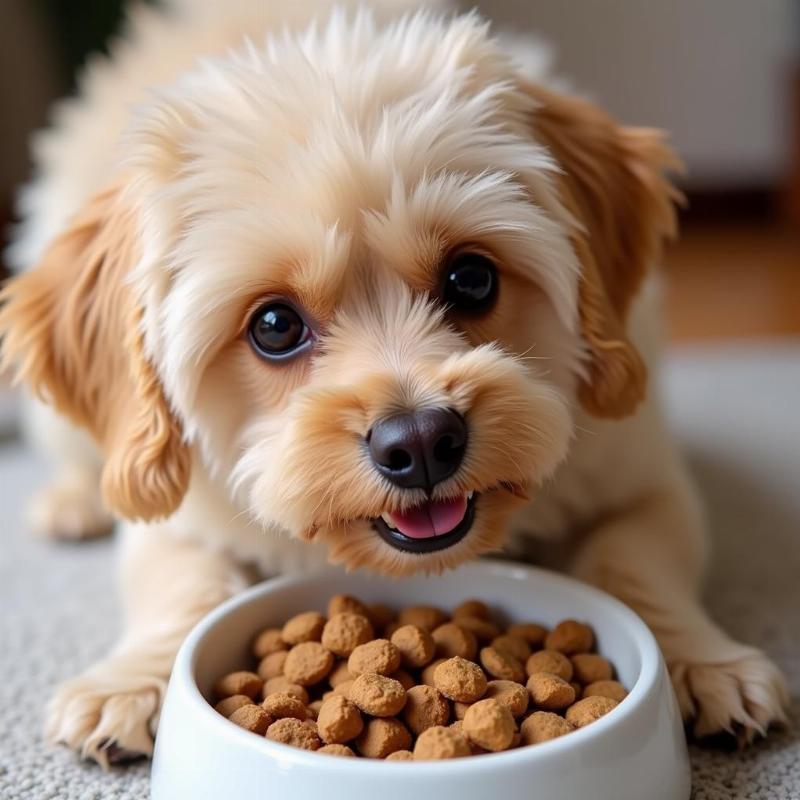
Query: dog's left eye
[[277, 331], [470, 283]]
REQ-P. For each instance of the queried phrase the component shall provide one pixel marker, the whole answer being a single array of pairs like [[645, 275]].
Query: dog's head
[[365, 276]]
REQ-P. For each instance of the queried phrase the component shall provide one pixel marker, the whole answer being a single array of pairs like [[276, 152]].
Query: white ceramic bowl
[[637, 751]]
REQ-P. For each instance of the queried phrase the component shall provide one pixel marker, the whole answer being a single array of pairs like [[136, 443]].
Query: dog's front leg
[[110, 712], [651, 556]]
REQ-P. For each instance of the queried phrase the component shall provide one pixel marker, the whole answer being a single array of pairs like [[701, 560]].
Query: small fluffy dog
[[358, 285]]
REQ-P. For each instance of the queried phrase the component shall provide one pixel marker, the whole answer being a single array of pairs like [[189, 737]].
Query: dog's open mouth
[[434, 525]]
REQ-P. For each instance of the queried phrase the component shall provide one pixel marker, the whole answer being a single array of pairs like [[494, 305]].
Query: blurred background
[[723, 76]]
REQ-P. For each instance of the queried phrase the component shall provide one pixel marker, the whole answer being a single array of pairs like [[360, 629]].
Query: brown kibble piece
[[472, 608], [305, 627], [533, 633], [460, 709], [459, 679], [339, 674], [578, 689], [438, 743], [514, 646], [541, 726], [294, 733], [426, 676], [416, 645], [400, 755], [281, 705], [550, 661], [428, 617], [377, 695], [570, 637], [453, 640], [550, 692], [346, 631], [341, 603], [586, 711], [242, 682], [590, 668], [336, 750], [382, 737], [227, 706], [308, 663], [489, 724], [501, 664], [425, 707], [268, 641], [271, 666], [514, 696], [339, 721], [614, 690], [252, 718], [281, 684], [379, 655]]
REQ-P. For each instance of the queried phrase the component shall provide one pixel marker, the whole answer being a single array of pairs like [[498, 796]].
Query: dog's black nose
[[418, 449]]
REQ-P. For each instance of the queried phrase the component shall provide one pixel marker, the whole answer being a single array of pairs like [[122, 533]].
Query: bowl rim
[[185, 668]]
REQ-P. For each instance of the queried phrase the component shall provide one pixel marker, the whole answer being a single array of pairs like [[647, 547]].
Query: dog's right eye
[[278, 332], [470, 283]]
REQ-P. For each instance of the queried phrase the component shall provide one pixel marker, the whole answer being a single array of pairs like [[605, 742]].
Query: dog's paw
[[742, 696], [70, 508], [106, 717]]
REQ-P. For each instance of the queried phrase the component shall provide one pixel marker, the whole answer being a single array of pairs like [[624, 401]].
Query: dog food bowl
[[636, 751]]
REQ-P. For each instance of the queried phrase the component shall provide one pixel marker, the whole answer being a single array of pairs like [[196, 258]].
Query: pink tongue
[[431, 519]]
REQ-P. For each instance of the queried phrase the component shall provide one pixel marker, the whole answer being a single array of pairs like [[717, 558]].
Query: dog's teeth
[[470, 494], [387, 518]]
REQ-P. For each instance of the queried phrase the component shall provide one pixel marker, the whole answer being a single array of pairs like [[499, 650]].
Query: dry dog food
[[417, 684]]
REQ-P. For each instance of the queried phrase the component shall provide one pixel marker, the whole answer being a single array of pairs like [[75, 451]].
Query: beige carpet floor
[[737, 412]]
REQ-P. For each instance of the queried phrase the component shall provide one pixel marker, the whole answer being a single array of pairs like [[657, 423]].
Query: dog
[[352, 285]]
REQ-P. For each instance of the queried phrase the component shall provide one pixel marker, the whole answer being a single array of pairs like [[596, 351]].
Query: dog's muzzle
[[418, 450]]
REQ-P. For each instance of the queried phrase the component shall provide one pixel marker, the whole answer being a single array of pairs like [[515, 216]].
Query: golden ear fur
[[71, 329], [613, 184]]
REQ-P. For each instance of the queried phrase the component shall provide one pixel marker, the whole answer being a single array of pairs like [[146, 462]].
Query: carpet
[[735, 408]]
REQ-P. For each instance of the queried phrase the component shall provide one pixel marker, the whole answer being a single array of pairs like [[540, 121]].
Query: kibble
[[614, 690], [425, 708], [305, 627], [570, 637], [459, 679], [339, 720], [242, 682], [549, 692], [434, 686], [416, 645], [294, 733], [438, 743], [550, 661], [346, 631], [377, 695], [541, 726], [379, 655], [308, 663], [382, 737], [252, 718], [453, 640], [282, 705], [589, 710], [489, 724]]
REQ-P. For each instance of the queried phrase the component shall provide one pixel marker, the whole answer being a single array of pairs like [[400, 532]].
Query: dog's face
[[364, 276]]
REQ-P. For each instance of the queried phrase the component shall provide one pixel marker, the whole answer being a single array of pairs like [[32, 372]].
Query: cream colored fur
[[341, 160]]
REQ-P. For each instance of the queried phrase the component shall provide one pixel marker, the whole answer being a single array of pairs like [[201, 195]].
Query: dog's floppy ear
[[613, 183], [70, 327]]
